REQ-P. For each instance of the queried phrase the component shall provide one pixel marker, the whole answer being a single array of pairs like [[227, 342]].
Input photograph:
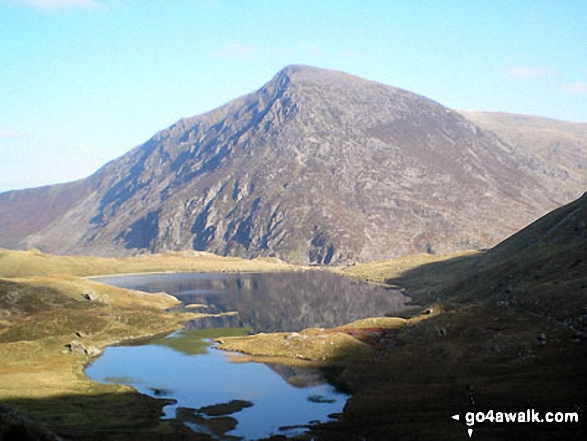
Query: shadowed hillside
[[513, 337]]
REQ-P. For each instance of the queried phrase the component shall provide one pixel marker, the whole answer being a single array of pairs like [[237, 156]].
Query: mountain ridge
[[316, 166]]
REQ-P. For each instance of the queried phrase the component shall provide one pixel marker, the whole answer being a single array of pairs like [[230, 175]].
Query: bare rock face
[[316, 166]]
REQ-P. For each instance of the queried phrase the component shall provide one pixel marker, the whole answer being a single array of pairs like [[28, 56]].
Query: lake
[[214, 395], [272, 302]]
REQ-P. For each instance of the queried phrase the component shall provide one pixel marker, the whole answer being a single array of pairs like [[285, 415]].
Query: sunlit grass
[[35, 263]]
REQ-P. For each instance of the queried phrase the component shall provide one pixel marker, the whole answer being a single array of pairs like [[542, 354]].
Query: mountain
[[316, 166], [553, 151]]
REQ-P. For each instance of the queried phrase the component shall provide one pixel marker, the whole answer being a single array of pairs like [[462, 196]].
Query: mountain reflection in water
[[270, 302]]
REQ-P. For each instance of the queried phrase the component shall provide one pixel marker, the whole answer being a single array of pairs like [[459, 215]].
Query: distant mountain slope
[[25, 212], [316, 166], [553, 151]]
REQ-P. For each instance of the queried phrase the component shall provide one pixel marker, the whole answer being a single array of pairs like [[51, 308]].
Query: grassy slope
[[42, 306], [41, 316], [555, 151], [35, 263]]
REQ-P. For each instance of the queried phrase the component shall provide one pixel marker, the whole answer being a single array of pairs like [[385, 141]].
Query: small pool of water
[[264, 400]]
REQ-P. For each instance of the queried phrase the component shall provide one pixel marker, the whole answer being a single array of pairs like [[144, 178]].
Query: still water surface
[[272, 302], [209, 378], [273, 399]]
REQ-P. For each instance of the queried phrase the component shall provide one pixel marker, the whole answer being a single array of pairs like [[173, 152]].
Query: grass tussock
[[309, 345]]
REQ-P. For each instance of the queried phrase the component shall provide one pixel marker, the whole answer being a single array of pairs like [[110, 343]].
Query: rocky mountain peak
[[316, 166]]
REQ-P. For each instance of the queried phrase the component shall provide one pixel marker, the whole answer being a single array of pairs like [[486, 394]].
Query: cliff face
[[316, 166]]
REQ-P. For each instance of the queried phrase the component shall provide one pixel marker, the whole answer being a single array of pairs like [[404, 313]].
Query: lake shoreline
[[212, 271], [71, 366]]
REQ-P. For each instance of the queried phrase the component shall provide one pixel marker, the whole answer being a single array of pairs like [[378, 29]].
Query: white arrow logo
[[457, 417]]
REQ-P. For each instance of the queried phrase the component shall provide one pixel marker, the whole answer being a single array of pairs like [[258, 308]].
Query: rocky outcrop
[[76, 347]]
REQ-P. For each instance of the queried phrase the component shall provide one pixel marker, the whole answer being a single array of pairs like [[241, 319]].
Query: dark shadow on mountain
[[474, 358], [428, 283]]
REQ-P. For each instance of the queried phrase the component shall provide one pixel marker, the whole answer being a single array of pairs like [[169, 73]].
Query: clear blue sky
[[84, 81]]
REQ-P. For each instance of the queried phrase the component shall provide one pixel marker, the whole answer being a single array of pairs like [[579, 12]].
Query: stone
[[91, 296]]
